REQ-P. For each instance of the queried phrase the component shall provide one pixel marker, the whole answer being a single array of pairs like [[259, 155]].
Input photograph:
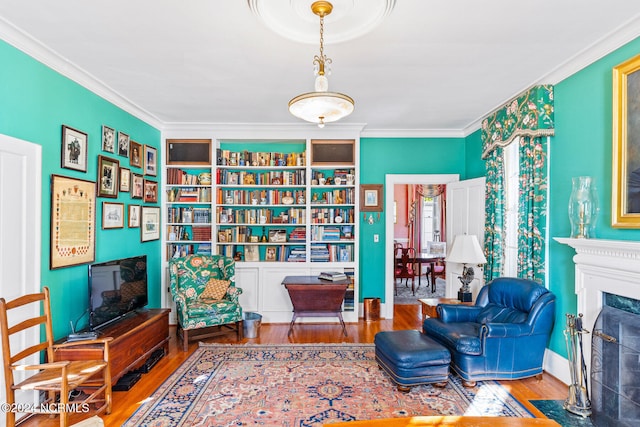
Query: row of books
[[260, 216], [331, 233], [249, 158], [179, 250], [273, 177], [331, 215], [189, 215], [331, 253], [259, 197], [176, 176], [337, 173], [335, 197], [189, 194]]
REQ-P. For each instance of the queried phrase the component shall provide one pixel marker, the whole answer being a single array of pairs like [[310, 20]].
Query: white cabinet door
[[465, 214], [248, 278]]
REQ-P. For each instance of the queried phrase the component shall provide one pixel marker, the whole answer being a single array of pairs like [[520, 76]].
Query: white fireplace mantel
[[602, 266]]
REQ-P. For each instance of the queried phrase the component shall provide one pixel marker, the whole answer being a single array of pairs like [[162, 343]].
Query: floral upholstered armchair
[[203, 288]]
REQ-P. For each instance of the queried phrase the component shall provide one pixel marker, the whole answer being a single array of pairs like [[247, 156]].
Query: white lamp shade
[[466, 250]]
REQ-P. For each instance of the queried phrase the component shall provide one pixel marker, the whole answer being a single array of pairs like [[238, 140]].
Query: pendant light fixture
[[321, 106]]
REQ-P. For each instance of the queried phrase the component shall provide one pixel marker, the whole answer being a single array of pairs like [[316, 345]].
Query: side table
[[429, 305]]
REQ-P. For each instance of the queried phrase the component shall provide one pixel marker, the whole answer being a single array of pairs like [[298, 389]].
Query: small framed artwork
[[74, 149], [134, 216], [270, 254], [112, 215], [137, 186], [626, 145], [135, 154], [125, 180], [150, 191], [371, 197], [123, 144], [251, 253], [108, 139], [149, 223], [150, 160], [108, 177]]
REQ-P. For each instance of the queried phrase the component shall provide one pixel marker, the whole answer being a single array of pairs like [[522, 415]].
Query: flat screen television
[[116, 288]]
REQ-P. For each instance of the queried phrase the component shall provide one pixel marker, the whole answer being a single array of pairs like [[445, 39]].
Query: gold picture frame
[[371, 197], [626, 145], [73, 222]]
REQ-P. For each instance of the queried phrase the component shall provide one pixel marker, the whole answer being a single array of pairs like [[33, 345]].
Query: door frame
[[390, 180]]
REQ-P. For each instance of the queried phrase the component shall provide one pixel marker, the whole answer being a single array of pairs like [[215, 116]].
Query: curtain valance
[[530, 113]]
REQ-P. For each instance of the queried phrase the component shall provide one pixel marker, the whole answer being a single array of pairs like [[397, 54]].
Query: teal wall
[[582, 145], [35, 102], [382, 156], [474, 165]]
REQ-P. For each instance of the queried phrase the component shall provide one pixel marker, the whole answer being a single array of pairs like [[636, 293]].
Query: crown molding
[[412, 133], [262, 130], [52, 59]]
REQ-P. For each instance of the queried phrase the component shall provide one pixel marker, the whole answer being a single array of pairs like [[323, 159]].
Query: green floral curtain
[[494, 217], [529, 119], [532, 206]]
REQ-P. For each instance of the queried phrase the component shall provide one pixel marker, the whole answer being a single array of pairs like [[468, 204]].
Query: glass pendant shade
[[321, 106], [583, 207]]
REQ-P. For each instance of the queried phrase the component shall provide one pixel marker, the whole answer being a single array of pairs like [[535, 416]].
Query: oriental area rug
[[303, 385]]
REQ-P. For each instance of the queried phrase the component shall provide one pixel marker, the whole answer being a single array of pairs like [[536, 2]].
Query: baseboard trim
[[557, 366]]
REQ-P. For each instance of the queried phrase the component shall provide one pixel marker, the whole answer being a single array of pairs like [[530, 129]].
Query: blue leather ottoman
[[412, 358]]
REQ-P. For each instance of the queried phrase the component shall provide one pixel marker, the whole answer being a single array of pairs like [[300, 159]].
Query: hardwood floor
[[405, 317]]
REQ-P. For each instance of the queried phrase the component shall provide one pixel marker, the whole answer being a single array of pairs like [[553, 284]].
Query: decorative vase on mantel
[[583, 207]]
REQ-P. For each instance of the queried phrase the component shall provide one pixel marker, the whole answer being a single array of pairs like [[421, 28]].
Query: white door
[[20, 224], [465, 214]]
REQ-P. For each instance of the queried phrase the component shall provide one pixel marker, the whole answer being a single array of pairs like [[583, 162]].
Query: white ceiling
[[430, 67]]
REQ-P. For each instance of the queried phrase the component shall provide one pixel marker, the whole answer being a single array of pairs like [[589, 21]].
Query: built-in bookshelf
[[188, 219], [272, 208]]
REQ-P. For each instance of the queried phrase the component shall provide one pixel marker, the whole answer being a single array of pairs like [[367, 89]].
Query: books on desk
[[332, 275]]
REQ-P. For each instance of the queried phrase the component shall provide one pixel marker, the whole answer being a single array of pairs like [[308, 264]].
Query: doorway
[[390, 182]]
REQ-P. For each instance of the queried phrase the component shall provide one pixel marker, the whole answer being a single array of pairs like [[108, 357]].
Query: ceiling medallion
[[294, 19]]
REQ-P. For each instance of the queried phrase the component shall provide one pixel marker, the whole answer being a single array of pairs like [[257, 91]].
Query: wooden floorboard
[[405, 317]]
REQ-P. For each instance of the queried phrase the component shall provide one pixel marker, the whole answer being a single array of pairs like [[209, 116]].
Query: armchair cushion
[[215, 290]]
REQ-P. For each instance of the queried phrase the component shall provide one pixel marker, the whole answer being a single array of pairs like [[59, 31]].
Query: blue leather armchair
[[503, 336]]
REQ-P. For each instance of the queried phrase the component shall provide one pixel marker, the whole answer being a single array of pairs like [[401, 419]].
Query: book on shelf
[[332, 275]]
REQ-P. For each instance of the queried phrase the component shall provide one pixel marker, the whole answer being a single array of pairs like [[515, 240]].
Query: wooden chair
[[56, 377], [406, 268]]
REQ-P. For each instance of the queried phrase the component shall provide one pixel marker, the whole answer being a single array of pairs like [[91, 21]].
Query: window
[[511, 177]]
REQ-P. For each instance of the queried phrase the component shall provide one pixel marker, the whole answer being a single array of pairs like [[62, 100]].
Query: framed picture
[[150, 191], [108, 177], [251, 253], [137, 186], [150, 160], [73, 218], [149, 223], [74, 149], [626, 145], [371, 197], [135, 154], [108, 139], [270, 254], [123, 144], [437, 248], [278, 236], [134, 216], [112, 215], [125, 180]]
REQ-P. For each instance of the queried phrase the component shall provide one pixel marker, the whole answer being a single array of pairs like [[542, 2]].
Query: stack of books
[[332, 275]]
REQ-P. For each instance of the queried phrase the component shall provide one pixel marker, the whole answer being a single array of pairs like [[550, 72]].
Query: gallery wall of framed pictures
[[126, 169]]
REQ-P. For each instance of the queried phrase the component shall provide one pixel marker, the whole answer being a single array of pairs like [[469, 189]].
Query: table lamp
[[466, 250]]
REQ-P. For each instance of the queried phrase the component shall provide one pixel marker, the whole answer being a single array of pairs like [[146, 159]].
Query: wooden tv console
[[135, 338]]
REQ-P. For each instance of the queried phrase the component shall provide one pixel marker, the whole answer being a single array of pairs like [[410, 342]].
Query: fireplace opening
[[615, 363]]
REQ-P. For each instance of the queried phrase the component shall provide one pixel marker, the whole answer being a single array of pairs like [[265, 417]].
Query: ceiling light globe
[[322, 84]]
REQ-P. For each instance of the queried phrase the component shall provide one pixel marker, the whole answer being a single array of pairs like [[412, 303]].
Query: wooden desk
[[442, 421], [429, 305], [313, 297]]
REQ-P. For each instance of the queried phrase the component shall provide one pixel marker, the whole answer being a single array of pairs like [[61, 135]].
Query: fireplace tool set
[[578, 401]]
